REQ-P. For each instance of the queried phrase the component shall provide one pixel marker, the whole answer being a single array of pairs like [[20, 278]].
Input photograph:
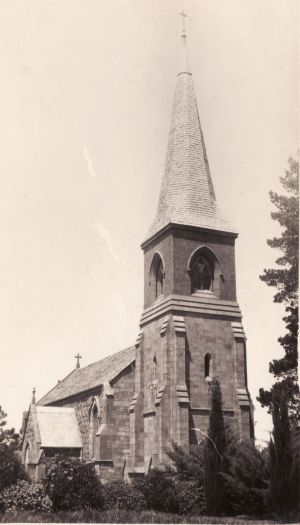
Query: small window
[[201, 275], [154, 369], [207, 366], [159, 281]]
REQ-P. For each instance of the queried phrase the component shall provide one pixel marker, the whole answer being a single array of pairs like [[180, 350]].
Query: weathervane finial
[[183, 22]]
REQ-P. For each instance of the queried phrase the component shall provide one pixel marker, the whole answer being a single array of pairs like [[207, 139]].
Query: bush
[[25, 496], [121, 495], [159, 490], [72, 485], [191, 498]]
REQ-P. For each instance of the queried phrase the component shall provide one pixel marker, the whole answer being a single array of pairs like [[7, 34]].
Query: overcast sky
[[86, 95]]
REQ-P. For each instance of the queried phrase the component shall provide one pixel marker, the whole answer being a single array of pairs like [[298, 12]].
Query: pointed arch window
[[94, 424], [26, 457], [201, 274], [156, 277]]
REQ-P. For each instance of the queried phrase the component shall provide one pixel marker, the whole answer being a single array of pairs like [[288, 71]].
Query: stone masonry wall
[[123, 390], [222, 246], [176, 247]]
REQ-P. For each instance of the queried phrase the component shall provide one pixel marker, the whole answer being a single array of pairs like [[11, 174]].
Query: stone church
[[122, 412]]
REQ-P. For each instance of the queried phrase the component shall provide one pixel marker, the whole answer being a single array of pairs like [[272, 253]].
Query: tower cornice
[[172, 226]]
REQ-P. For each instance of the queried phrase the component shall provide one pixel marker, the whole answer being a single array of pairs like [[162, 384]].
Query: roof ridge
[[103, 359], [91, 376]]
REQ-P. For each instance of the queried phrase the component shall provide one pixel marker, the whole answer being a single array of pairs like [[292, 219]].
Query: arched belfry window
[[201, 274], [156, 277], [207, 366], [94, 424], [201, 268]]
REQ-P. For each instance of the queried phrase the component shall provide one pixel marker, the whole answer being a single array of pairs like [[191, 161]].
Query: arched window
[[207, 366], [156, 278], [201, 274], [94, 423]]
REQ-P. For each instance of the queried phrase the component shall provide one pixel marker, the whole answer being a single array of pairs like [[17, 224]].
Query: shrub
[[159, 490], [188, 465], [121, 495], [72, 485], [25, 496], [191, 498]]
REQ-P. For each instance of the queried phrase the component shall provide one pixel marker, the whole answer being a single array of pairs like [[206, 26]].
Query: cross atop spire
[[33, 396], [183, 23], [77, 357]]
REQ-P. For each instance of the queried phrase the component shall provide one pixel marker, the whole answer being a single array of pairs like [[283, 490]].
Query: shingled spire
[[187, 195]]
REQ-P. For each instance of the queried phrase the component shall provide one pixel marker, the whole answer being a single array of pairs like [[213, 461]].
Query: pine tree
[[285, 279]]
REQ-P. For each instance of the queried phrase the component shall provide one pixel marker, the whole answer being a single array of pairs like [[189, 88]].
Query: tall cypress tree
[[282, 490], [214, 453]]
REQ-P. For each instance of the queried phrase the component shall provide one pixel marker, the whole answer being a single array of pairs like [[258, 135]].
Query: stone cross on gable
[[77, 357]]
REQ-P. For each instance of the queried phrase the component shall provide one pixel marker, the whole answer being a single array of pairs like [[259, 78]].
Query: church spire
[[187, 195]]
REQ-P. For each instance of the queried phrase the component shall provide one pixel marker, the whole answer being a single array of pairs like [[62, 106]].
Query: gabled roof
[[91, 376], [187, 195], [58, 427]]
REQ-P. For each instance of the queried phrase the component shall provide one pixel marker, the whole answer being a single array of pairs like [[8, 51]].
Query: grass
[[122, 516]]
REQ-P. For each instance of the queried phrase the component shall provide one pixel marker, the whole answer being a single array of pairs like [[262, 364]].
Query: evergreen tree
[[214, 453], [10, 466], [285, 279], [281, 459]]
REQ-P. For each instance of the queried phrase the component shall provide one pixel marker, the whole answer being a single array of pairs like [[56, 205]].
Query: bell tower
[[190, 329]]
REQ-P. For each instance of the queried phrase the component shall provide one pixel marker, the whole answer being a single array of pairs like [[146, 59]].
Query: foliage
[[11, 468], [188, 466], [214, 453], [245, 476], [72, 484], [159, 490], [191, 498], [24, 496], [121, 495], [8, 437], [285, 279]]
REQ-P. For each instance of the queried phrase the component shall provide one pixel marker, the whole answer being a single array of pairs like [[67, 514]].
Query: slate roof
[[187, 195], [96, 374], [58, 427]]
